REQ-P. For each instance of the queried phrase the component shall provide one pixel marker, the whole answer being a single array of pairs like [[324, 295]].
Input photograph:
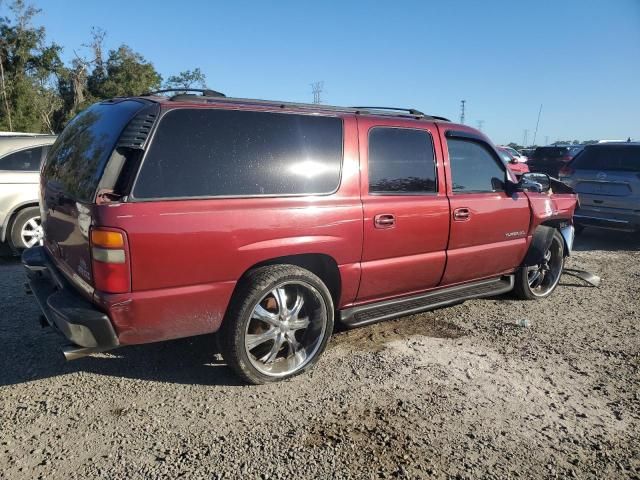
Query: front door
[[488, 227], [406, 210]]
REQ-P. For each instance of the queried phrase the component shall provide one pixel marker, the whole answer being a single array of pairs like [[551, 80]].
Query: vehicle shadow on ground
[[185, 361], [607, 240]]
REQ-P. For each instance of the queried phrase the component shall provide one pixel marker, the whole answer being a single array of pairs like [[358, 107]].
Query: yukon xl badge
[[519, 233]]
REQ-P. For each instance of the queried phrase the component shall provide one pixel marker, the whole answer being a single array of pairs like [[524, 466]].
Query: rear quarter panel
[[187, 255]]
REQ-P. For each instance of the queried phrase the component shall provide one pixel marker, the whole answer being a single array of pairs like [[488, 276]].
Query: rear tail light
[[110, 260], [566, 158], [566, 171]]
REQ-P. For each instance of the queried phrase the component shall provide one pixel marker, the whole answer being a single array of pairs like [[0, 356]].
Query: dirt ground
[[461, 392]]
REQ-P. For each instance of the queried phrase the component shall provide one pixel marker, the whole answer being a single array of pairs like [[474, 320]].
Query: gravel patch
[[460, 392]]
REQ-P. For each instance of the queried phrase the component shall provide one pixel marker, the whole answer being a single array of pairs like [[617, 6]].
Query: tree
[[126, 73], [187, 79], [28, 67]]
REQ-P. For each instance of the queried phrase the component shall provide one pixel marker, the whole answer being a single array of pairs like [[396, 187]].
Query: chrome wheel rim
[[545, 276], [286, 329], [31, 233]]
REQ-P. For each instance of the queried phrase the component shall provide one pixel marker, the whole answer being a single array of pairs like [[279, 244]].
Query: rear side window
[[207, 152], [401, 161], [474, 169], [27, 160], [76, 161], [611, 157]]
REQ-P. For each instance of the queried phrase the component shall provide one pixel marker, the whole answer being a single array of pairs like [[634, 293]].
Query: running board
[[398, 307]]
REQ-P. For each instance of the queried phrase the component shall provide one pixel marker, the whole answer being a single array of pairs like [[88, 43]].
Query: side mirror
[[534, 182]]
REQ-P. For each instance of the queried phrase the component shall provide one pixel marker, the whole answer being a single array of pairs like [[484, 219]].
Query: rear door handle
[[384, 220], [461, 214]]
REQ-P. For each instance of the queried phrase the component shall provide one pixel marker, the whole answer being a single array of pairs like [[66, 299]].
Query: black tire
[[253, 290], [525, 290], [21, 220]]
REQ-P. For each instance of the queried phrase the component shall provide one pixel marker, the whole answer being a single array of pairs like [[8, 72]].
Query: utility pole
[[462, 111], [537, 123], [480, 124], [316, 88], [525, 137]]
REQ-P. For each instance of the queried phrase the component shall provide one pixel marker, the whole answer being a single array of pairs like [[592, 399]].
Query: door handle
[[461, 214], [384, 220]]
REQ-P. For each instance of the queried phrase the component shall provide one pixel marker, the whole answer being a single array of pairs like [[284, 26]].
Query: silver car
[[20, 159], [606, 177]]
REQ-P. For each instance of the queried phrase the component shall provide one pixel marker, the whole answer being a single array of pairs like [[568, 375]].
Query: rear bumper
[[609, 218], [64, 308]]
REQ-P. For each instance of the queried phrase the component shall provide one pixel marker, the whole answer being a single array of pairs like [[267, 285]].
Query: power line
[[316, 89], [535, 134], [462, 111], [525, 137]]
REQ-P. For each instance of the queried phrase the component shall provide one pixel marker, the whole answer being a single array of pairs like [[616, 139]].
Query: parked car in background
[[551, 159], [20, 159], [606, 177], [519, 156], [517, 167], [264, 220]]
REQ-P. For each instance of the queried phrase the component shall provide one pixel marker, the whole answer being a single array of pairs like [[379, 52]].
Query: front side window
[[401, 161], [473, 167], [211, 152], [27, 160]]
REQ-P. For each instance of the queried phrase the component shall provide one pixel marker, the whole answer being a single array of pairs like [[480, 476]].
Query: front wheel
[[540, 280], [278, 324]]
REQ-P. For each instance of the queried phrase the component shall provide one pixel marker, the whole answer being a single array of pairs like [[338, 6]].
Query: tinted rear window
[[611, 157], [550, 152], [77, 160], [207, 152]]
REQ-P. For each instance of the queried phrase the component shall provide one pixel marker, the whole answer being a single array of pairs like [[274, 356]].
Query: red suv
[[166, 217]]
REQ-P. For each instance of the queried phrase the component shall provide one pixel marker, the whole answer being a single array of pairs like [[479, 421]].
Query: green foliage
[[127, 73], [27, 72], [187, 79], [40, 93]]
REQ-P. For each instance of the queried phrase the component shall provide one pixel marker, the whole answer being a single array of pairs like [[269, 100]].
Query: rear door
[[406, 211], [488, 227], [71, 175]]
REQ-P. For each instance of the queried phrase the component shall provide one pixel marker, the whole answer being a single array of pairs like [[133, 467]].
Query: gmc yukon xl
[[173, 216]]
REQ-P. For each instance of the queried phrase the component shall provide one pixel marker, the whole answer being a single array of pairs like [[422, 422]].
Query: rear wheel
[[540, 280], [26, 230], [278, 325]]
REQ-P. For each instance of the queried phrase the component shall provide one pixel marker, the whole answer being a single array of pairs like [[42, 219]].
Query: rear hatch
[[83, 160], [548, 160], [608, 176]]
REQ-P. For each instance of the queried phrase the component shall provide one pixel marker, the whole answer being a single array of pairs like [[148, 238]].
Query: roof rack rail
[[410, 111], [204, 91]]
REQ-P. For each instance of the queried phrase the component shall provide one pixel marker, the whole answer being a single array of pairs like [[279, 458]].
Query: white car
[[515, 154], [20, 159]]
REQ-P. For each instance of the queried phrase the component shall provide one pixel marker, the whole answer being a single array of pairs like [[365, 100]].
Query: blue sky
[[580, 59]]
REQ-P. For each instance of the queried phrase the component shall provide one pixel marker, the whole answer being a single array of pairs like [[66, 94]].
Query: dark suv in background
[[606, 177], [551, 159]]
